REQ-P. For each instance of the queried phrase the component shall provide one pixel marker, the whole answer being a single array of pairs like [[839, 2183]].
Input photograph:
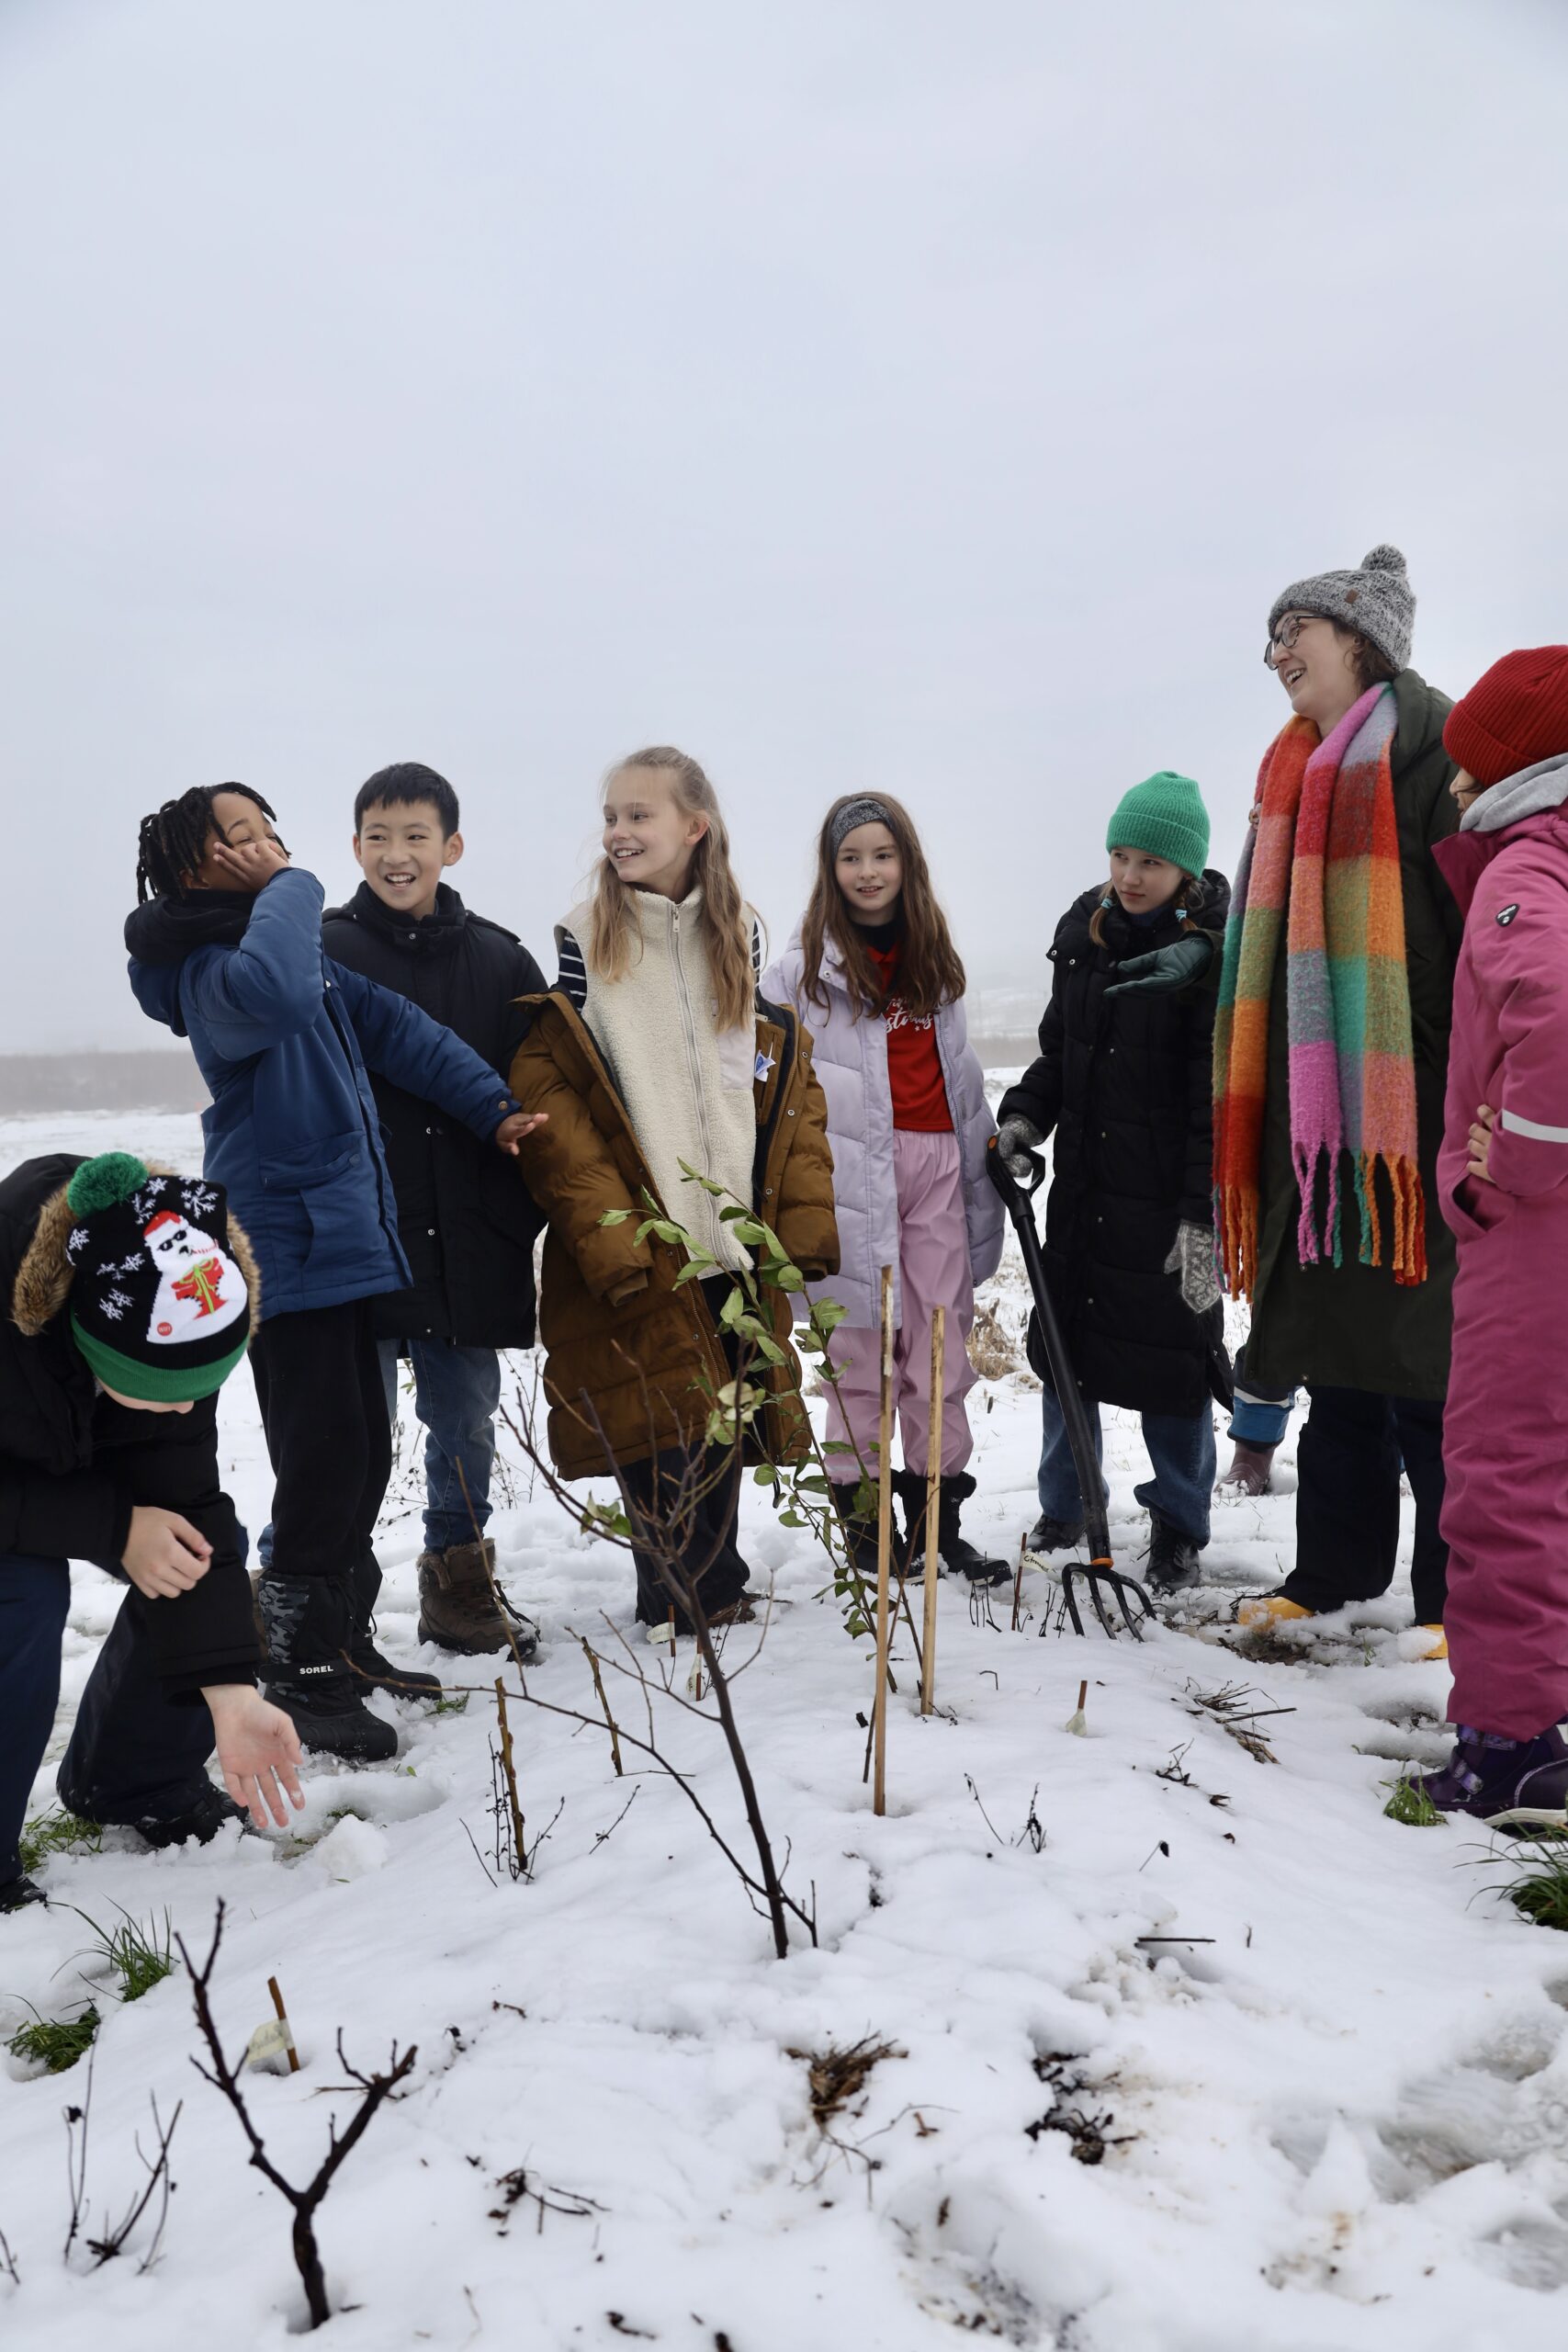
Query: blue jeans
[[1257, 1419], [1181, 1455], [455, 1392], [134, 1754]]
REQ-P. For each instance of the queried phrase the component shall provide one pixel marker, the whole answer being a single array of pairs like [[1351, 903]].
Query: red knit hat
[[1512, 716]]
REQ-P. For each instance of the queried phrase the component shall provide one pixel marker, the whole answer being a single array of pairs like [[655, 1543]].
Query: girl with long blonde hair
[[655, 1060]]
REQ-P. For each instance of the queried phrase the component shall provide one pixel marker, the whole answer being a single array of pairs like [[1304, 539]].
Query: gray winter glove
[[1192, 1256], [1016, 1138], [1164, 968]]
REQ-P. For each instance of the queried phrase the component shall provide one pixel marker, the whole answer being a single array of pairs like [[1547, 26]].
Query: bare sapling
[[305, 2202], [662, 1529]]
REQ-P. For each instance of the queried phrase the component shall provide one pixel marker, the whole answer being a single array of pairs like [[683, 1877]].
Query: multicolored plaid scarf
[[1323, 858]]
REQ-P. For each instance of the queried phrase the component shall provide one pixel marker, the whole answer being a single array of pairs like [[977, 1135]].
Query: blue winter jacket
[[282, 1036]]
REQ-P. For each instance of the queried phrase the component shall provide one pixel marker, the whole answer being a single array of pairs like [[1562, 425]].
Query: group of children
[[400, 1104]]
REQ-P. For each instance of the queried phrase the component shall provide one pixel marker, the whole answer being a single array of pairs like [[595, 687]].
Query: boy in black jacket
[[129, 1299], [467, 1227]]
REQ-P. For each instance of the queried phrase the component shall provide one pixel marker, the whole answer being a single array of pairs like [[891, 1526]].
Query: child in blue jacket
[[226, 948]]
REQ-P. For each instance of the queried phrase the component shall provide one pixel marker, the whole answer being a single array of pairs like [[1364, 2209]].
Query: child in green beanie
[[128, 1295], [1122, 1083]]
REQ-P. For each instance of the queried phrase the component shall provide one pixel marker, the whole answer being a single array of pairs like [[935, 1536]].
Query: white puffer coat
[[851, 1060]]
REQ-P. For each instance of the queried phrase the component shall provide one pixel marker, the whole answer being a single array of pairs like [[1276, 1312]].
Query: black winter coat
[[465, 1217], [1125, 1085], [73, 1464]]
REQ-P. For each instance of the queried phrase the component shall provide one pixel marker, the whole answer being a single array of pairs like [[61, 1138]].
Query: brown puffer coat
[[633, 1361]]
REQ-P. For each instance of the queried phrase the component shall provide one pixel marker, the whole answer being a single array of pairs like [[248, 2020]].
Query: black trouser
[[323, 1406], [134, 1754], [696, 1528], [1348, 1465]]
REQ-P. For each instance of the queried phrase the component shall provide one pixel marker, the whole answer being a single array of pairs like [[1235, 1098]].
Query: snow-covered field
[[1336, 2061]]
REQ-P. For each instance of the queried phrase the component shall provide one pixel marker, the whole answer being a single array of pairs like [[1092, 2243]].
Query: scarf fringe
[[1316, 1246], [1238, 1229]]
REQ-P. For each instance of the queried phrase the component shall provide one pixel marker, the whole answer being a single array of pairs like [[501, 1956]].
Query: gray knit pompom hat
[[1376, 599]]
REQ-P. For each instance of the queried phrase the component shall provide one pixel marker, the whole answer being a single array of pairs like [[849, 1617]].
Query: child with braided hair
[[226, 948]]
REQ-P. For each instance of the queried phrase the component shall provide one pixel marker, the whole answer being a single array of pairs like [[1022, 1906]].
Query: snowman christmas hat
[[159, 1305]]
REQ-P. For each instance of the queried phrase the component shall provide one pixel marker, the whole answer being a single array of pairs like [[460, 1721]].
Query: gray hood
[[1528, 793]]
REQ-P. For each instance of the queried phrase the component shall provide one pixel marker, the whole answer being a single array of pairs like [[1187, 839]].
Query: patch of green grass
[[1541, 1890], [138, 1955], [56, 2043], [56, 1832], [1409, 1804], [453, 1702]]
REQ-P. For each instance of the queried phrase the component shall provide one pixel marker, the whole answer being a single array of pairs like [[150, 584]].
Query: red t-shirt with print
[[914, 1066]]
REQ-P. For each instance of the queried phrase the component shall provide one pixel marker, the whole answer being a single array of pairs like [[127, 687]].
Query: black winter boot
[[310, 1624], [1049, 1535], [860, 1532], [1175, 1561], [378, 1673], [199, 1823], [955, 1551]]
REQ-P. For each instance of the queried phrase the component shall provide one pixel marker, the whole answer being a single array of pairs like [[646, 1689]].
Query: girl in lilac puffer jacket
[[874, 975]]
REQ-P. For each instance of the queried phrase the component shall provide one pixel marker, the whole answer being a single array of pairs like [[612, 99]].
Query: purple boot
[[1512, 1783]]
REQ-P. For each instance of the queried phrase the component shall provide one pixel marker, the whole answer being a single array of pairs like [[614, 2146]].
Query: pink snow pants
[[1505, 1456], [933, 1271]]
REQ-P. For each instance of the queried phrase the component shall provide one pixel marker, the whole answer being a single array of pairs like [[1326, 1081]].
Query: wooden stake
[[933, 1499], [609, 1718], [884, 1553], [1017, 1579], [272, 1987], [509, 1774]]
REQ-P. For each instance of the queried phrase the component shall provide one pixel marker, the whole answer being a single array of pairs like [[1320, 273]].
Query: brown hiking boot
[[1249, 1474], [462, 1609]]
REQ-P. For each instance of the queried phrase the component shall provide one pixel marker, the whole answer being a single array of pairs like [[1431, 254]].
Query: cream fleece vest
[[687, 1087]]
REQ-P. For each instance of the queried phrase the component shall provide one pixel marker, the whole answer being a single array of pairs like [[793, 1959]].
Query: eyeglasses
[[1285, 638]]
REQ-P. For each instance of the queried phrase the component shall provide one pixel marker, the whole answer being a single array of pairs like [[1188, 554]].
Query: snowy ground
[[1338, 2087]]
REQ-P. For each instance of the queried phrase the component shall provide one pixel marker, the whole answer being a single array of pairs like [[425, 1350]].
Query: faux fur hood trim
[[44, 1277]]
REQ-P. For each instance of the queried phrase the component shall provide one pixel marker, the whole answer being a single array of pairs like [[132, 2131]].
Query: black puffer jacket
[[73, 1464], [1125, 1086], [465, 1217]]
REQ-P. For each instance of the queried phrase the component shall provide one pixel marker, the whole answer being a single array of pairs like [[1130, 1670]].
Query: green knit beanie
[[1166, 817]]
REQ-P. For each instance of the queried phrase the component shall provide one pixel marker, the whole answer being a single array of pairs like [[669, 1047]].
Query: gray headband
[[854, 813]]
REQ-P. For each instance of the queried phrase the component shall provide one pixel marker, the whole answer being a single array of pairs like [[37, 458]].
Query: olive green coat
[[1352, 1326]]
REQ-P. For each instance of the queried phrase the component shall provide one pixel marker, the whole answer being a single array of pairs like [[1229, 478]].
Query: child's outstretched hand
[[513, 1129], [258, 1751], [249, 865]]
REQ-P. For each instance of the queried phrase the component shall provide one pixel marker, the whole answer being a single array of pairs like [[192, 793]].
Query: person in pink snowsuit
[[1503, 1178]]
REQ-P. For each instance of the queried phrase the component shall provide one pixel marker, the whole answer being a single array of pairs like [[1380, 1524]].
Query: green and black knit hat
[[1164, 817], [159, 1305]]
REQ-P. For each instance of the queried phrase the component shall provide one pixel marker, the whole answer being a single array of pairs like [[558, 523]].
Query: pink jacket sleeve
[[1518, 941]]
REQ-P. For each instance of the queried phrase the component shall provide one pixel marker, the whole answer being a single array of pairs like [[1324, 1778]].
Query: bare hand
[[249, 865], [258, 1751], [1481, 1144], [164, 1553], [512, 1130]]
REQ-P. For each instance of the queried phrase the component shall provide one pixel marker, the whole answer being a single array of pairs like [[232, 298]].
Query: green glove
[[1163, 968]]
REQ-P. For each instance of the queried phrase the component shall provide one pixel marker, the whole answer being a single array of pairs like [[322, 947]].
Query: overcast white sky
[[856, 393]]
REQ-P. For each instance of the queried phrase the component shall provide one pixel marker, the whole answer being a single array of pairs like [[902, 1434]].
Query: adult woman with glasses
[[1330, 1057]]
